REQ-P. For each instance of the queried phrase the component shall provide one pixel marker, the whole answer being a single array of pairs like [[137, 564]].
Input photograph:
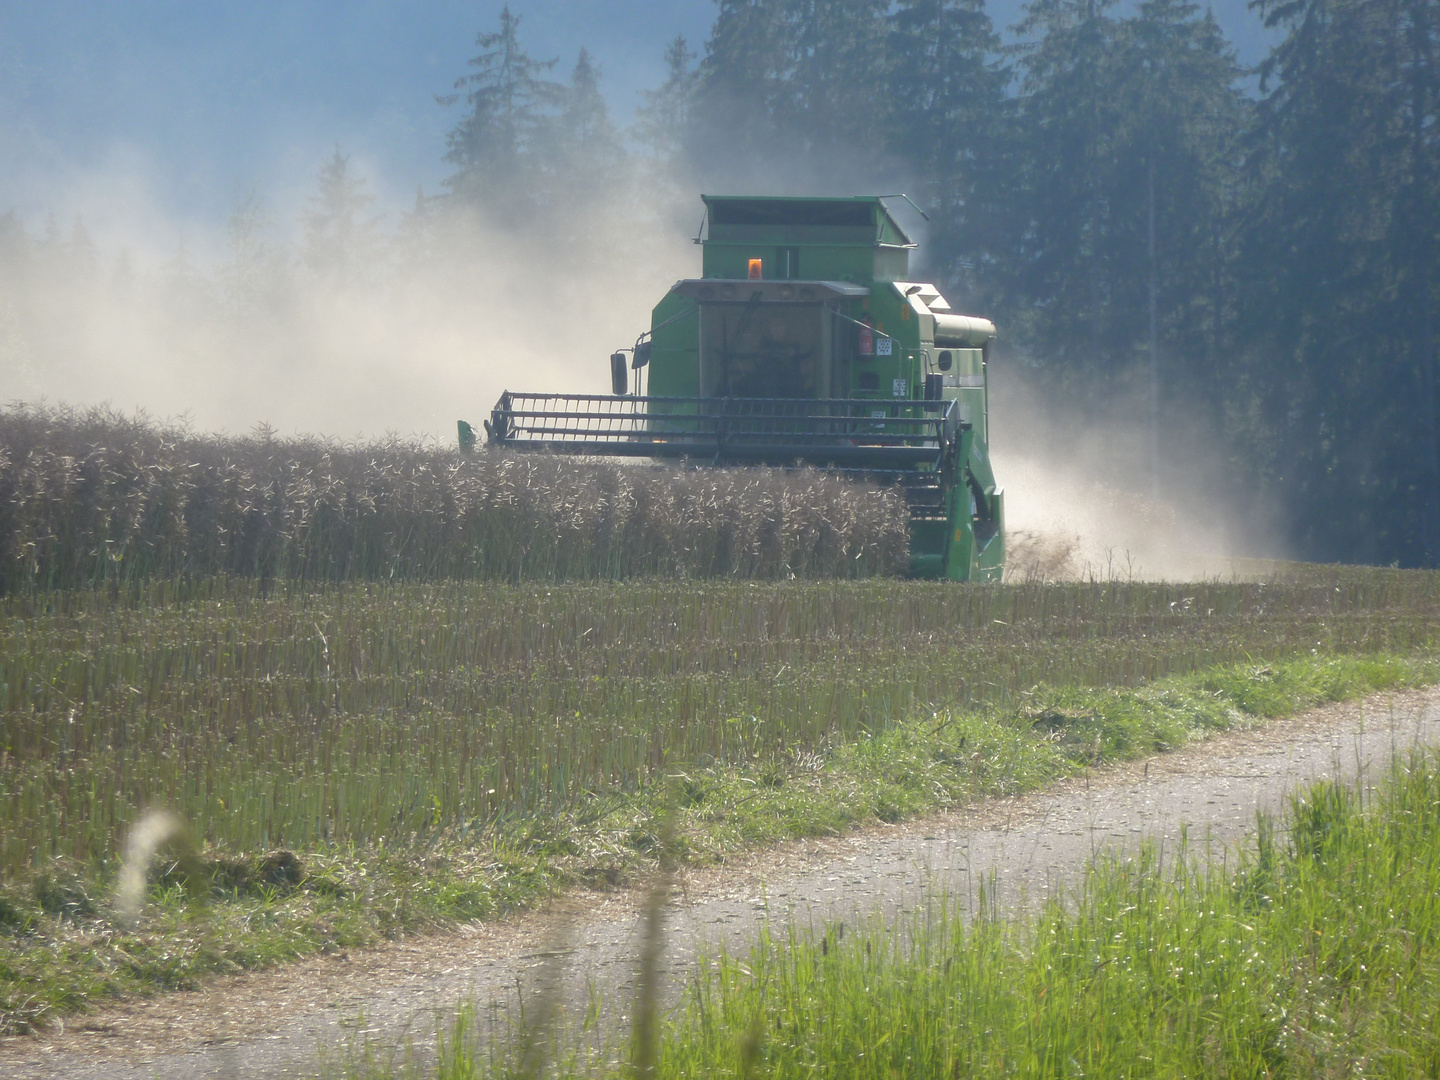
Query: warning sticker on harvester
[[883, 345], [899, 388]]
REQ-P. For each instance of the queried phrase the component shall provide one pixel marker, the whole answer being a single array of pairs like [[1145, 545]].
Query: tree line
[[1246, 257]]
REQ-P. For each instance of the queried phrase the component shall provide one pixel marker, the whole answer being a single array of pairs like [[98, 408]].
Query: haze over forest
[[1125, 198]]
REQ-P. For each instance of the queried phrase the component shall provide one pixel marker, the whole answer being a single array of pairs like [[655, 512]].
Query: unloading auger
[[802, 342]]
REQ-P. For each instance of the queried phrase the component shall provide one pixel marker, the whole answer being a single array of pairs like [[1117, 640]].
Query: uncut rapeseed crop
[[92, 496]]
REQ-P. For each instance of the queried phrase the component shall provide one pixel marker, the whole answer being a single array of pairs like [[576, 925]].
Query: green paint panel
[[674, 369]]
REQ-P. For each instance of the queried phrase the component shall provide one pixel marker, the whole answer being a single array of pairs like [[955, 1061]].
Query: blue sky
[[176, 110]]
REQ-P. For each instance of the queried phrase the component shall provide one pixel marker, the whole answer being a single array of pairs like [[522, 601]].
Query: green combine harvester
[[803, 343]]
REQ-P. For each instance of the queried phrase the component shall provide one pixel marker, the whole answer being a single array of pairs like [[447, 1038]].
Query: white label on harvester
[[899, 388], [882, 346]]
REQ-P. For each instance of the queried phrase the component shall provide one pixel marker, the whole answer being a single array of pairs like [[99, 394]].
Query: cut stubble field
[[379, 715], [430, 753]]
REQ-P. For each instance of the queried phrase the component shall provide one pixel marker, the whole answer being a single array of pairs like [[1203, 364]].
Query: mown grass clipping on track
[[91, 497]]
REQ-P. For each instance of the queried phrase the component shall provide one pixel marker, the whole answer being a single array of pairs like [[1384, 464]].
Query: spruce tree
[[1127, 172], [1176, 191], [342, 242], [662, 122], [791, 95], [1069, 116], [508, 103], [834, 105], [254, 281], [584, 153], [948, 121], [1342, 272], [736, 120]]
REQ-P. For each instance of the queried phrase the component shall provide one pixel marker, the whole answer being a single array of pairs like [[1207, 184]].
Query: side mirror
[[944, 360], [642, 356], [619, 377]]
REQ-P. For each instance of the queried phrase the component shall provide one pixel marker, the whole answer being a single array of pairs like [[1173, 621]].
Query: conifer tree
[[508, 101], [835, 103], [1068, 117], [1341, 273], [1175, 188], [582, 152], [791, 94], [253, 281], [662, 122], [342, 240], [948, 120], [736, 122]]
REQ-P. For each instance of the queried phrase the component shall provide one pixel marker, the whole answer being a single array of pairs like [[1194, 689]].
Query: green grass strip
[[942, 759], [62, 948], [1317, 956]]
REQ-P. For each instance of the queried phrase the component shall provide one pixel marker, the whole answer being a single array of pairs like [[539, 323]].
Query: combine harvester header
[[803, 342]]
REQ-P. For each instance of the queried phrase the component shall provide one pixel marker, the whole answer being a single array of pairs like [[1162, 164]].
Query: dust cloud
[[429, 316], [1081, 502]]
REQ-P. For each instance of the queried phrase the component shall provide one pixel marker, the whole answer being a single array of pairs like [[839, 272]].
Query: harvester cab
[[802, 342]]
